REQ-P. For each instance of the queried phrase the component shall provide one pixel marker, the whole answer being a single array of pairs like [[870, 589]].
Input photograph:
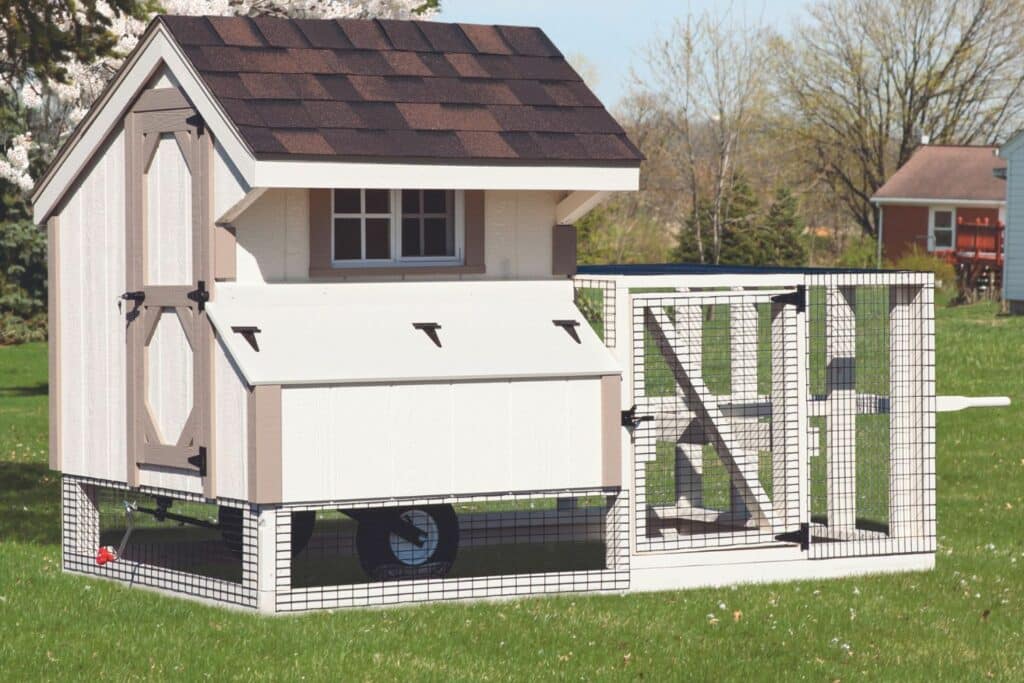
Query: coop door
[[168, 275], [717, 463]]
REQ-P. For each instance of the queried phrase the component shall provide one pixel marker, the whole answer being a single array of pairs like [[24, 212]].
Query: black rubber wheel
[[229, 520], [383, 554]]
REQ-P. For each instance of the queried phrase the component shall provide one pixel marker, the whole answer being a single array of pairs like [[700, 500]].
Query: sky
[[611, 34]]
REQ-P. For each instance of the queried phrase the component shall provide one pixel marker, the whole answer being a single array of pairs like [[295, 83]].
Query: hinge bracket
[[200, 295], [630, 420], [199, 461], [798, 298]]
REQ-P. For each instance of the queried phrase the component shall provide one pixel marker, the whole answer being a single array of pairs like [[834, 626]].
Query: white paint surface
[[436, 439], [361, 332], [231, 443], [168, 216], [273, 238], [92, 361], [169, 377]]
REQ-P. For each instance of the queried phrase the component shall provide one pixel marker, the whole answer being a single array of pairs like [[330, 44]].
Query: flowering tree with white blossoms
[[52, 104]]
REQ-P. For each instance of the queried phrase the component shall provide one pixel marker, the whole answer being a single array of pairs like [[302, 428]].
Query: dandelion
[[721, 605]]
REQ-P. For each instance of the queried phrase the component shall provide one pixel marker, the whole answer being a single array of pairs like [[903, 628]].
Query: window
[[388, 227], [940, 228]]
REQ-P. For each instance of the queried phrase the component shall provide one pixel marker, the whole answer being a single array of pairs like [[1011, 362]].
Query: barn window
[[941, 228], [381, 227]]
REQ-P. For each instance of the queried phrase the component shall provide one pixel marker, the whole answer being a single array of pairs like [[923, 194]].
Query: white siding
[[436, 439], [1013, 268], [273, 238], [231, 426], [518, 234], [92, 276]]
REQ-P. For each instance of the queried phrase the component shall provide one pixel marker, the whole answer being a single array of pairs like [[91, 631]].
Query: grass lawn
[[963, 621]]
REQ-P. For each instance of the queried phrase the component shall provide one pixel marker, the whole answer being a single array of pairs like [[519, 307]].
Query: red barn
[[949, 200]]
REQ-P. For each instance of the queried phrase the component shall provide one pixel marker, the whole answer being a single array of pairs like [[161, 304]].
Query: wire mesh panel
[[181, 544], [519, 545], [871, 405], [717, 459], [596, 300]]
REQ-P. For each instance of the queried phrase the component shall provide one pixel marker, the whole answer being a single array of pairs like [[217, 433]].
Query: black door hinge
[[199, 461], [798, 298], [801, 536], [200, 295], [630, 420]]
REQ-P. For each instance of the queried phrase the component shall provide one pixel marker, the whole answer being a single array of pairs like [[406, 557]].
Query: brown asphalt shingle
[[941, 172], [387, 89]]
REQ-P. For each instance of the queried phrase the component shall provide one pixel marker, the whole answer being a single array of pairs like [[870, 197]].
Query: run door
[[168, 273], [717, 446]]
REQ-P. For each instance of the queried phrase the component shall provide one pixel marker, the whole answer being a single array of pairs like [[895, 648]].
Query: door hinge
[[798, 298], [200, 295], [802, 536], [630, 420], [199, 461]]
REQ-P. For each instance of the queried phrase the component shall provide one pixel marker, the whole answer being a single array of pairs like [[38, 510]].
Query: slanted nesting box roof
[[399, 90]]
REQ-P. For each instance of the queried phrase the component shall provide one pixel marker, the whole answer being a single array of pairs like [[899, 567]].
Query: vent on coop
[[509, 546], [171, 543], [717, 465]]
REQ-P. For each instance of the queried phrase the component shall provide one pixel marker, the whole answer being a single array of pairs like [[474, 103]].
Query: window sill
[[371, 271]]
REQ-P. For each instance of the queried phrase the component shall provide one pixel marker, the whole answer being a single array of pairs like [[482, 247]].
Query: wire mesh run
[[717, 459], [596, 301], [211, 554], [871, 377], [516, 546]]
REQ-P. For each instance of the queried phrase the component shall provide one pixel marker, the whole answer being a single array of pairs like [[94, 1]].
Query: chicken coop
[[319, 340]]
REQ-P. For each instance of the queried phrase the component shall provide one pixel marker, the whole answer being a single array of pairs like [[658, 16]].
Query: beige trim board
[[225, 252], [159, 99], [475, 229], [611, 426], [264, 426], [54, 338]]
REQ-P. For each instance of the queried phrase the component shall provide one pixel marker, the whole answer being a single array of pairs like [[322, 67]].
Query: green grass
[[963, 621]]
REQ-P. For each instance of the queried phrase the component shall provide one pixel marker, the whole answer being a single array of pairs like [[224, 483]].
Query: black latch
[[200, 295], [199, 461], [798, 298], [570, 327], [631, 420], [135, 297], [249, 334], [430, 329]]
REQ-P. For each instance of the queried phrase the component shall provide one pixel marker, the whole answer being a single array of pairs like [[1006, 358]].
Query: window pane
[[347, 241], [411, 236], [378, 201], [943, 219], [434, 201], [943, 239], [435, 237], [378, 238], [346, 201], [410, 201]]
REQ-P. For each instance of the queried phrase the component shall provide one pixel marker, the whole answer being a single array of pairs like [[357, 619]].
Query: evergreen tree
[[786, 244]]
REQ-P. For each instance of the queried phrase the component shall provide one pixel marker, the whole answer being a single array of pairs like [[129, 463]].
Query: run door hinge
[[630, 420], [801, 536], [200, 295], [199, 461], [798, 298]]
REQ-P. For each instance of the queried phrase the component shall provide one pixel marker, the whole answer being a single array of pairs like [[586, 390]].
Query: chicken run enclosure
[[777, 424]]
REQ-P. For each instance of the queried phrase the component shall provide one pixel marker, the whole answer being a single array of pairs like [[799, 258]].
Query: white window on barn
[[941, 228], [396, 227]]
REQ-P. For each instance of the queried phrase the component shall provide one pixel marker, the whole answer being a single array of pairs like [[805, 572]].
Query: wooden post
[[689, 461], [786, 425], [841, 408]]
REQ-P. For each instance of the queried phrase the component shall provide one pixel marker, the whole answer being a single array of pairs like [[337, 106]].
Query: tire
[[384, 554], [229, 520]]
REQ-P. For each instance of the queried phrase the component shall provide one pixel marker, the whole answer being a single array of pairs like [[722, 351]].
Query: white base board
[[686, 574]]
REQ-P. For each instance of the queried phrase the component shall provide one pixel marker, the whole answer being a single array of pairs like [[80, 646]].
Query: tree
[[784, 242], [710, 76], [863, 80], [738, 214]]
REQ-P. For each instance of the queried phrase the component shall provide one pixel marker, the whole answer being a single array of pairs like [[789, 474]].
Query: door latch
[[630, 420], [200, 295], [135, 297], [798, 298]]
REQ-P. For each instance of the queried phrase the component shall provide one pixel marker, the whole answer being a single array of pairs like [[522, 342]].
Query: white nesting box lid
[[346, 333]]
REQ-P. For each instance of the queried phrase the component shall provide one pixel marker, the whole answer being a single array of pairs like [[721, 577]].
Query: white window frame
[[931, 228], [395, 241]]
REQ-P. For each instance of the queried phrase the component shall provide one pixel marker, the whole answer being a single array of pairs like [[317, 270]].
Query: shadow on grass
[[29, 503], [18, 392]]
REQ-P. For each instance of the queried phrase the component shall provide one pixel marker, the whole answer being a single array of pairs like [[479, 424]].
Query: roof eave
[[936, 200]]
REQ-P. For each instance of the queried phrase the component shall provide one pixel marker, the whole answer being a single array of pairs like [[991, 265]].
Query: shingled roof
[[400, 90], [947, 173]]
